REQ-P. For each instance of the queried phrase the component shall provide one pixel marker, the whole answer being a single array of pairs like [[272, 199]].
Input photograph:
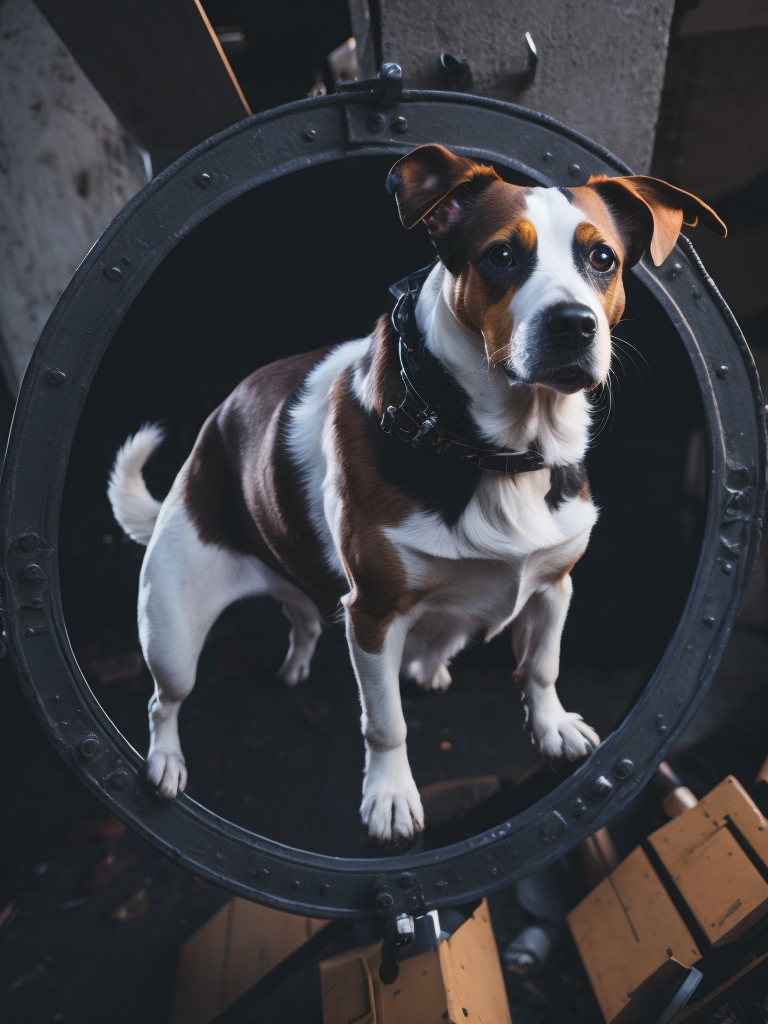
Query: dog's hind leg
[[185, 585], [429, 646], [305, 630]]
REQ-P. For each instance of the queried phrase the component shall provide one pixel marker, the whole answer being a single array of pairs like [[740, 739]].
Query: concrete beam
[[601, 65]]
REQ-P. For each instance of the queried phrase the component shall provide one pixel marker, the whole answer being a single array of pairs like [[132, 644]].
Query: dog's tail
[[134, 507]]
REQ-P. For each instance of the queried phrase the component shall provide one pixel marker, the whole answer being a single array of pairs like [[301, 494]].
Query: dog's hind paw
[[293, 670], [167, 773], [391, 806], [438, 679], [566, 737]]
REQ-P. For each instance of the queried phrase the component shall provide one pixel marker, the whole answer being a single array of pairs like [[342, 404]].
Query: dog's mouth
[[565, 379]]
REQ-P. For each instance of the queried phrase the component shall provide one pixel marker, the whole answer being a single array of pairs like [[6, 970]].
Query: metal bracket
[[386, 88]]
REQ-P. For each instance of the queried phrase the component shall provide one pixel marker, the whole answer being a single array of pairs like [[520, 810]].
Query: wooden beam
[[158, 65]]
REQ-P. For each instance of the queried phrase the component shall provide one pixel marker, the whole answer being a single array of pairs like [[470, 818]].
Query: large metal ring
[[244, 157]]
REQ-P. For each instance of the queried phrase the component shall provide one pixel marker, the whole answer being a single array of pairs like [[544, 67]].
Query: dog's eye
[[602, 257], [501, 256]]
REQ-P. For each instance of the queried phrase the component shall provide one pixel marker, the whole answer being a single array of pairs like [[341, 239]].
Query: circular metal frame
[[81, 327]]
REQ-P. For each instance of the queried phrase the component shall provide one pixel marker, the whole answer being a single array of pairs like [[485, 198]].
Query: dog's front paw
[[565, 735], [167, 773], [391, 806]]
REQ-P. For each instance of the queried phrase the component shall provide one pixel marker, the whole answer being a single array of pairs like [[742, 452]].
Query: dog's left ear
[[651, 213], [436, 186]]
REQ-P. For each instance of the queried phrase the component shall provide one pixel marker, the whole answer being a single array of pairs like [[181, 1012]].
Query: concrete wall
[[66, 170], [601, 62]]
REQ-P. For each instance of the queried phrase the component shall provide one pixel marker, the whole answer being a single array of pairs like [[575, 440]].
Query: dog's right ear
[[436, 186]]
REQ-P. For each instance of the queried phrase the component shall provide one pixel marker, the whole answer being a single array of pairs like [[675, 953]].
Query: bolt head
[[204, 180], [88, 747], [375, 122], [574, 170], [118, 780], [624, 768], [599, 788], [54, 375], [384, 899], [400, 125], [32, 574]]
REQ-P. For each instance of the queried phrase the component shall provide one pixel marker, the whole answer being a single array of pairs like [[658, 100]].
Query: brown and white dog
[[294, 490]]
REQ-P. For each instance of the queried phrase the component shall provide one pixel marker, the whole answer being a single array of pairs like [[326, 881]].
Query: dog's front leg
[[391, 806], [536, 640]]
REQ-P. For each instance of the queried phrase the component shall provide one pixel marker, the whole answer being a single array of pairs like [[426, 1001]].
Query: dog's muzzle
[[565, 357]]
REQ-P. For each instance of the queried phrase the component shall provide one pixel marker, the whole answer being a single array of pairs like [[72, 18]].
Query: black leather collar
[[433, 399]]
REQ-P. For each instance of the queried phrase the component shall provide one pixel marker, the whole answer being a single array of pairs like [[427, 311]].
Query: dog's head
[[538, 271]]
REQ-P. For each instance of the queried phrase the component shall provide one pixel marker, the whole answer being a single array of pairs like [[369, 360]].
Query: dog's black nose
[[571, 325]]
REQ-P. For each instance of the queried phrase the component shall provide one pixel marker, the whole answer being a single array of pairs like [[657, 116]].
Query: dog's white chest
[[506, 544]]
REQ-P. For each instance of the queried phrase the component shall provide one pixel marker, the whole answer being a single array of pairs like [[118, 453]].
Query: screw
[[709, 620], [310, 135], [28, 541], [54, 375], [295, 884], [661, 725], [126, 261], [32, 574], [399, 124], [727, 568], [547, 156], [384, 899], [624, 768], [722, 371], [113, 273], [88, 747], [675, 271], [204, 180], [574, 170], [375, 122]]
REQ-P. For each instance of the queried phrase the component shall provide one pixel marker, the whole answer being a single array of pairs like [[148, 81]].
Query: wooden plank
[[201, 971], [159, 67], [260, 938], [721, 886], [631, 939], [233, 950]]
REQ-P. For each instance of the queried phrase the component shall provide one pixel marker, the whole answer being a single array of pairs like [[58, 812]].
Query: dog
[[427, 481]]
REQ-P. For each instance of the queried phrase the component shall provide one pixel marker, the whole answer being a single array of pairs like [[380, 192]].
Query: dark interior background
[[297, 264]]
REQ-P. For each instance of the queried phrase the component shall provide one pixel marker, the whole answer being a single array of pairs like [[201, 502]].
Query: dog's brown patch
[[600, 227], [587, 235], [526, 233], [379, 590], [242, 489]]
